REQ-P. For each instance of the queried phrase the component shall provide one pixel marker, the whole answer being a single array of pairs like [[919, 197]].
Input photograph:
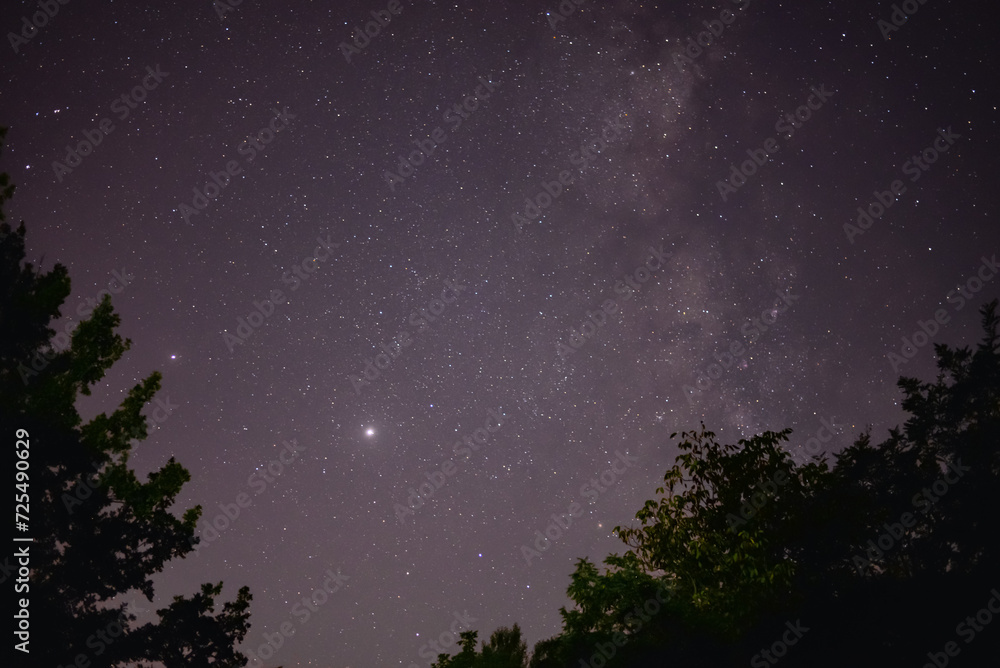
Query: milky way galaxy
[[417, 290]]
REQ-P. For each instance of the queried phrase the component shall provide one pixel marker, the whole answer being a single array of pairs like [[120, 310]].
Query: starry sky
[[556, 237]]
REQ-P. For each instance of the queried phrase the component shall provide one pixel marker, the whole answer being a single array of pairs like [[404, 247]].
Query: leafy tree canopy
[[99, 532]]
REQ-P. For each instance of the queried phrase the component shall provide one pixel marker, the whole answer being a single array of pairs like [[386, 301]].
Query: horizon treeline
[[880, 555]]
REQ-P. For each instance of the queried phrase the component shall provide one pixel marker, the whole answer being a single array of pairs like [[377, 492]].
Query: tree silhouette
[[98, 531], [505, 649], [888, 545]]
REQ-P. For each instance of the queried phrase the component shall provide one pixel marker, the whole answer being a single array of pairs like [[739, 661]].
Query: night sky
[[492, 253]]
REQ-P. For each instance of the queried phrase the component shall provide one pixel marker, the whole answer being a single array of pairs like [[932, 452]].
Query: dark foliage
[[98, 531]]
